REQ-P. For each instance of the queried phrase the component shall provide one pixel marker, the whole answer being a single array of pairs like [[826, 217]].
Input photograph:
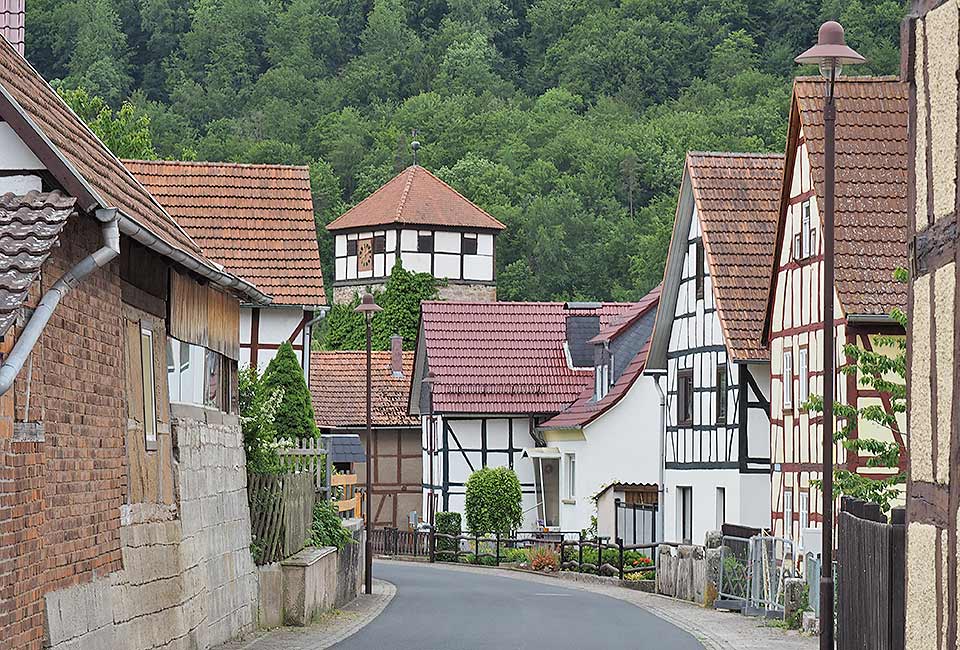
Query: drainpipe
[[661, 442], [306, 340], [28, 338]]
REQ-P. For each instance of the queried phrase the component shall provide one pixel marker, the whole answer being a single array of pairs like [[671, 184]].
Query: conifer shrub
[[294, 415]]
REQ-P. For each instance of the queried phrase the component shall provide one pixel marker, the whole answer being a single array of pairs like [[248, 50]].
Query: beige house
[[930, 48]]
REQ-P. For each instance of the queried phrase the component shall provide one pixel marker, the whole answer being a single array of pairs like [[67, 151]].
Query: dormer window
[[602, 377]]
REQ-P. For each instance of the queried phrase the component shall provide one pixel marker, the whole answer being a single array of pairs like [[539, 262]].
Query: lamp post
[[831, 54], [368, 308], [428, 383]]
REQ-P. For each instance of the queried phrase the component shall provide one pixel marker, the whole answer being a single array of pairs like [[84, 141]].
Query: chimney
[[396, 354], [11, 22]]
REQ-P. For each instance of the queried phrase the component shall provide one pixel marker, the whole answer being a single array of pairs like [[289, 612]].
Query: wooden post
[[497, 560], [580, 553], [620, 545]]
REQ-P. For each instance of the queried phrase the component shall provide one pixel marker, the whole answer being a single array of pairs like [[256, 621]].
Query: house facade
[[425, 224], [257, 221], [500, 371], [106, 542], [705, 348], [339, 402], [870, 231], [929, 45], [609, 434]]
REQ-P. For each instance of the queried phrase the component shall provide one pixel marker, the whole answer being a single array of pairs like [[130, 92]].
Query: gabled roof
[[503, 357], [418, 198], [11, 22], [90, 172], [30, 228], [338, 389], [871, 185], [256, 220], [735, 196], [633, 313]]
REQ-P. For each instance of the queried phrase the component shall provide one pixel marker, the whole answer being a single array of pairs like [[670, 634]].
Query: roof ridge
[[454, 190], [212, 163], [411, 171], [736, 154], [857, 79]]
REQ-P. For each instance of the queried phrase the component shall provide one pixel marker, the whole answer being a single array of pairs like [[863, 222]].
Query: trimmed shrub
[[294, 415], [448, 523], [493, 501]]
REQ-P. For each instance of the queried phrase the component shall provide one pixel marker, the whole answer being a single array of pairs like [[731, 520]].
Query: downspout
[[661, 442], [110, 228], [306, 340]]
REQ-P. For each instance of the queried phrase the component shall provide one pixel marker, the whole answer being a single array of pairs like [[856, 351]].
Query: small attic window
[[469, 245], [425, 242], [351, 247], [700, 270]]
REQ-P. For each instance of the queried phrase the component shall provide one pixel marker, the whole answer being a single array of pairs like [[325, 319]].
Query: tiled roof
[[586, 409], [30, 227], [11, 22], [256, 220], [415, 197], [737, 198], [623, 322], [504, 357], [871, 185], [338, 387], [94, 162]]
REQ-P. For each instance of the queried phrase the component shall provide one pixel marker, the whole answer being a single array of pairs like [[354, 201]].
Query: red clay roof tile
[[415, 197], [338, 387], [256, 220]]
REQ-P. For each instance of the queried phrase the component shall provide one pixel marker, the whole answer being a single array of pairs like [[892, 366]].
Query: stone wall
[[452, 291], [188, 580], [930, 63]]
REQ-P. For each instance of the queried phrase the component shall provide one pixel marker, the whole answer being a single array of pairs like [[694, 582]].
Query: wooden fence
[[308, 455], [281, 513], [870, 572]]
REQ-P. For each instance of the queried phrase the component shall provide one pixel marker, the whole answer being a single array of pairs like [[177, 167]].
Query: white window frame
[[787, 378], [788, 513], [569, 477], [804, 511], [721, 506], [149, 384], [805, 229], [803, 374]]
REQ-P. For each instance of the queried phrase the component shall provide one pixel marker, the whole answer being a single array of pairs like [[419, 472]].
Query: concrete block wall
[[188, 580]]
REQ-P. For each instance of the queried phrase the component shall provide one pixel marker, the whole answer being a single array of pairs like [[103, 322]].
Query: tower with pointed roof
[[426, 224]]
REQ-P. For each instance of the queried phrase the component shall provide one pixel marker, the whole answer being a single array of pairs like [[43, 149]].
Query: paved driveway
[[439, 608]]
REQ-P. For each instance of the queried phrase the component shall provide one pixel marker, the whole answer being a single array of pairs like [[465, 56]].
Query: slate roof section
[[338, 387], [346, 448], [30, 227], [871, 184], [504, 357], [256, 220], [11, 22], [633, 313], [94, 162], [737, 198], [415, 197]]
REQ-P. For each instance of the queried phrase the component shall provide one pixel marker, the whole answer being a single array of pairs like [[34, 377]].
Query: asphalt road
[[438, 608]]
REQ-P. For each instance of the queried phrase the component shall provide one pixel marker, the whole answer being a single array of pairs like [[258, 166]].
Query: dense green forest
[[566, 119]]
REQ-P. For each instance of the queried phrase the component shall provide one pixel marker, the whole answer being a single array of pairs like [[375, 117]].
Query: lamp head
[[367, 306], [831, 52]]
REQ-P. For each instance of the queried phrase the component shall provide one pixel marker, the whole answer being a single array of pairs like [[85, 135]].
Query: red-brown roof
[[504, 357], [338, 387], [418, 198], [871, 184], [94, 162], [256, 220], [737, 198]]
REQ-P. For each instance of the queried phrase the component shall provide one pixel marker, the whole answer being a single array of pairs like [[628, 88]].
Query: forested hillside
[[566, 119]]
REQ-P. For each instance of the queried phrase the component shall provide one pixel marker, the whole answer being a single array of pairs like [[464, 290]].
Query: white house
[[257, 221], [706, 345], [426, 224], [501, 371], [609, 435]]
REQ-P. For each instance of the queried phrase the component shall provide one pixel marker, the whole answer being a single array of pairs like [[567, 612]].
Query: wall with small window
[[449, 254]]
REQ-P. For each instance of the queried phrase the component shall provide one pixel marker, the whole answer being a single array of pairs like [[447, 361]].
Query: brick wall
[[60, 498]]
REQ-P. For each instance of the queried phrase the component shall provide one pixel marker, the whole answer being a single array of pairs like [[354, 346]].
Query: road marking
[[561, 595]]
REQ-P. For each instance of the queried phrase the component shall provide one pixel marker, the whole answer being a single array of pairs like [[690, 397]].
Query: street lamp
[[368, 308], [428, 383], [831, 54]]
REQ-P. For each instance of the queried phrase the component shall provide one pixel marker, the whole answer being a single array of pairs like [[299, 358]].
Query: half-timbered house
[[105, 543], [425, 224], [871, 191], [707, 344], [339, 402], [500, 370], [257, 221]]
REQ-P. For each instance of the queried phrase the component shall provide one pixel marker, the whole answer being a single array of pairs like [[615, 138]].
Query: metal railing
[[752, 573]]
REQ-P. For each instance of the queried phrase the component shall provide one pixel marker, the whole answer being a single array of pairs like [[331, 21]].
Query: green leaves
[[493, 501], [294, 413]]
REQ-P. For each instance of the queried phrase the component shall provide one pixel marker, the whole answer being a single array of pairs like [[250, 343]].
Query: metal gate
[[753, 572], [634, 523]]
